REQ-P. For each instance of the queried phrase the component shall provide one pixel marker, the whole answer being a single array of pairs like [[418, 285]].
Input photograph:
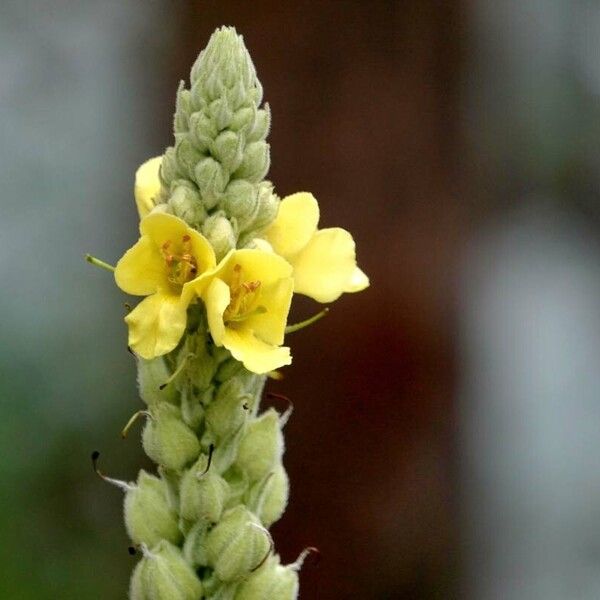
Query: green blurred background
[[438, 133]]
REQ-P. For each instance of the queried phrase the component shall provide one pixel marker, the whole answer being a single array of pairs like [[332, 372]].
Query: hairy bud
[[268, 498], [151, 375], [271, 581]]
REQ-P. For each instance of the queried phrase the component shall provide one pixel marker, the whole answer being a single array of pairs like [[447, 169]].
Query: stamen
[[297, 564], [123, 485], [211, 449], [285, 417], [132, 420], [98, 263], [271, 545], [259, 310], [177, 371], [306, 322]]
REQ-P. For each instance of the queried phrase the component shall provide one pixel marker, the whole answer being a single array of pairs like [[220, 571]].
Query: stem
[[98, 263]]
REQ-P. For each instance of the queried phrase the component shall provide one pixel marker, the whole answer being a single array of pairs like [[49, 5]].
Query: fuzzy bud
[[202, 131], [202, 494], [219, 232], [261, 447], [148, 517], [186, 204], [228, 150], [260, 127], [187, 156], [255, 163], [226, 414], [169, 169], [268, 498], [163, 574], [211, 179], [167, 440], [194, 547], [151, 374], [237, 545], [271, 581]]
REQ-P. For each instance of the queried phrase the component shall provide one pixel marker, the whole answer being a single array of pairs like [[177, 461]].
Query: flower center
[[244, 296], [181, 267]]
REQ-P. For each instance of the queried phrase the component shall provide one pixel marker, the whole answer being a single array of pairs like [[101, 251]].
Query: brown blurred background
[[431, 449]]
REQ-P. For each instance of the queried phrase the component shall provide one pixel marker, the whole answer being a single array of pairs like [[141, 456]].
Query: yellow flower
[[162, 265], [247, 300], [324, 260], [147, 185]]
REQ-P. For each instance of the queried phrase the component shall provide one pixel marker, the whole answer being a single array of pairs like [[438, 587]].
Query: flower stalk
[[217, 263]]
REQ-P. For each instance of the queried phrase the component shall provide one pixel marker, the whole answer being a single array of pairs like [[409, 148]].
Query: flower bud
[[268, 498], [187, 156], [163, 574], [271, 581], [237, 544], [219, 232], [169, 170], [147, 185], [238, 484], [255, 163], [187, 205], [243, 119], [167, 440], [261, 447], [240, 202], [226, 413], [202, 131], [183, 108], [211, 180], [228, 150], [148, 517], [194, 547], [202, 493], [221, 113], [151, 375], [261, 125], [266, 210]]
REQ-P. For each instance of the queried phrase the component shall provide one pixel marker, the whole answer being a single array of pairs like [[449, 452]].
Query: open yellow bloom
[[162, 265], [324, 260], [147, 185], [247, 300]]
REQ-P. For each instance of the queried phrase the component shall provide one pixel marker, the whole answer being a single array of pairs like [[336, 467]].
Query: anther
[[132, 420], [211, 449], [297, 564], [285, 417], [176, 372], [98, 263], [306, 322], [123, 485], [271, 545]]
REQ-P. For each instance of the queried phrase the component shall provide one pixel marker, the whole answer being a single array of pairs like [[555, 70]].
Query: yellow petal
[[141, 271], [217, 299], [257, 265], [276, 299], [147, 185], [295, 224], [324, 267], [358, 281], [156, 325], [256, 355]]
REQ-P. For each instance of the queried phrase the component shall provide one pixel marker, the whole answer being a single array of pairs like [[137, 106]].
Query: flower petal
[[156, 325], [276, 299], [358, 281], [257, 265], [256, 355], [141, 271], [217, 298], [324, 268], [147, 185], [295, 224]]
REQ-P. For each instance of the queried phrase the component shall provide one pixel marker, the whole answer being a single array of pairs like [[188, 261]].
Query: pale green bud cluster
[[202, 524], [213, 176]]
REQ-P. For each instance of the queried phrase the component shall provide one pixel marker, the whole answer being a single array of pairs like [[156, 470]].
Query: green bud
[[202, 131], [238, 484], [260, 127], [151, 375], [237, 545], [169, 170], [220, 234], [255, 163], [167, 440], [229, 369], [220, 111], [211, 180], [192, 409], [203, 493], [163, 574], [265, 213], [187, 156], [271, 581], [148, 517], [217, 590], [182, 109], [228, 150], [268, 498], [186, 204], [261, 447], [244, 119], [194, 547], [227, 414], [171, 480]]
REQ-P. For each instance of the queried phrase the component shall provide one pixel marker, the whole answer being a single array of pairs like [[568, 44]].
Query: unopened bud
[[268, 498], [194, 547], [151, 374], [226, 413], [228, 150], [219, 232], [271, 581], [211, 179], [187, 156], [163, 574], [266, 210], [148, 517], [237, 545], [220, 111], [202, 131], [167, 440], [169, 170], [261, 125], [203, 493], [261, 447], [187, 205], [255, 163]]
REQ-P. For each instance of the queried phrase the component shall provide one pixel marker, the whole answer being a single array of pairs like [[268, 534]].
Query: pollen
[[181, 264]]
